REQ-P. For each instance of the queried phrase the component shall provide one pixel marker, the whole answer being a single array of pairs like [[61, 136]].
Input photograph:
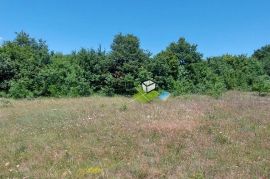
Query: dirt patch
[[171, 125]]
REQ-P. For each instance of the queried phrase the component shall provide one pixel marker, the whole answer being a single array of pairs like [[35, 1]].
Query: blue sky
[[218, 27]]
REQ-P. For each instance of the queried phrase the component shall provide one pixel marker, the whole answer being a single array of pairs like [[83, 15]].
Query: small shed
[[148, 86]]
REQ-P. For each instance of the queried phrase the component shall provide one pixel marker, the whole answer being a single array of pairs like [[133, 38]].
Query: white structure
[[148, 86]]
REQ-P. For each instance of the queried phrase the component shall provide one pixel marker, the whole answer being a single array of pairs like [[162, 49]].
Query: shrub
[[262, 85], [20, 89], [62, 78]]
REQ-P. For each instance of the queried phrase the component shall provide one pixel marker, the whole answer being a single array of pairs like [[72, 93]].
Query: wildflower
[[7, 164], [94, 170]]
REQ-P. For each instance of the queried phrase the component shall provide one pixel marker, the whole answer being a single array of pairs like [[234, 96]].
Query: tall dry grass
[[99, 137]]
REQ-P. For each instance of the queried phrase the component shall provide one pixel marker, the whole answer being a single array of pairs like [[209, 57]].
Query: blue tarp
[[164, 95]]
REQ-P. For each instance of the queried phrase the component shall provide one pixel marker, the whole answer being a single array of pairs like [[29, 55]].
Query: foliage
[[62, 78], [237, 72], [21, 88], [263, 55], [94, 65], [7, 71], [262, 85], [126, 59], [29, 69], [205, 81], [184, 52]]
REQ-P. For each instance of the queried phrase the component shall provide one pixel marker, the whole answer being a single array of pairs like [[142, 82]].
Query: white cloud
[[1, 38]]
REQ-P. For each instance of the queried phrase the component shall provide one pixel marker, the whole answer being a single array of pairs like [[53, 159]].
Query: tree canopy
[[29, 69]]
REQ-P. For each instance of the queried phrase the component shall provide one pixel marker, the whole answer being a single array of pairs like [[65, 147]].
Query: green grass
[[100, 137]]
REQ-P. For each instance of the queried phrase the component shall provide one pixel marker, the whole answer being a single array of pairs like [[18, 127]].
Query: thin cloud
[[1, 38]]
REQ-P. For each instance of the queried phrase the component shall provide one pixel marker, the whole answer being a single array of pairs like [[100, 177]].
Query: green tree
[[164, 68], [62, 78], [184, 52], [126, 60], [28, 69], [23, 57], [237, 72], [262, 85], [7, 72], [205, 81], [171, 67], [95, 65], [263, 55]]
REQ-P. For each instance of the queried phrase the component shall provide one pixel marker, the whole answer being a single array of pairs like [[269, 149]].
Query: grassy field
[[99, 137]]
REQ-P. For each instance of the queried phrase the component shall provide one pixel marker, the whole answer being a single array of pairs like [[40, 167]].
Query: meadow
[[190, 136]]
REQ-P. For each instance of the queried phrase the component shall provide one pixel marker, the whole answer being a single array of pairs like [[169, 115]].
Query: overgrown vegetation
[[28, 69], [191, 136]]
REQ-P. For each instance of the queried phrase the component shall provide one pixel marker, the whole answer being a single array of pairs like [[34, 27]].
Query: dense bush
[[205, 81], [62, 78], [262, 85], [29, 69], [237, 72], [263, 55]]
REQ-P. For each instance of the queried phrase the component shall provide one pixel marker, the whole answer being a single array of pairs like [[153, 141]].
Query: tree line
[[29, 69]]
